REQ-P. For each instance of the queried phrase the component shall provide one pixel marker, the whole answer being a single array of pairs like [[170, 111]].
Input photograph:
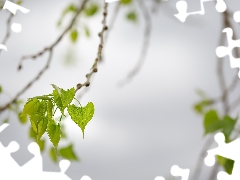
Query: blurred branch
[[52, 46], [8, 30], [99, 53], [223, 98], [202, 155], [48, 49], [145, 45]]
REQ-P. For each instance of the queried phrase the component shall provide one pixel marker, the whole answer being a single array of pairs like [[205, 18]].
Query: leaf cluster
[[41, 110], [213, 123]]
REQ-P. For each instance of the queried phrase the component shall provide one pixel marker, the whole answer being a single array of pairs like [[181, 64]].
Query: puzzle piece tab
[[177, 171], [222, 51], [182, 9], [33, 169], [228, 150]]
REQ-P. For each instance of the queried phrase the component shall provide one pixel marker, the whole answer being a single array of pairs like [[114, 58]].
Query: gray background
[[138, 131]]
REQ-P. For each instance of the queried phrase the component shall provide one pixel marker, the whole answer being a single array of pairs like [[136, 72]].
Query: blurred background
[[141, 129]]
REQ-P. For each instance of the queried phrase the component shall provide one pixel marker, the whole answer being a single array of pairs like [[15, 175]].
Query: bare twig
[[99, 53], [202, 155], [112, 21], [8, 30], [145, 45], [52, 46], [48, 49]]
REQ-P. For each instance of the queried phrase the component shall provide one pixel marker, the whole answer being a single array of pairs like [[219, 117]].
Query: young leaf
[[54, 132], [74, 35], [228, 126], [31, 107], [50, 109], [63, 98], [212, 122], [91, 10], [226, 163], [81, 116], [22, 118], [70, 8], [34, 119], [132, 16], [42, 108], [32, 133], [6, 120], [68, 153], [41, 128], [202, 105], [53, 155], [41, 145], [126, 1], [87, 31]]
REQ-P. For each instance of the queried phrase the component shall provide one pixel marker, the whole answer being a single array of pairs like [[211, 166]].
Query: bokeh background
[[140, 130]]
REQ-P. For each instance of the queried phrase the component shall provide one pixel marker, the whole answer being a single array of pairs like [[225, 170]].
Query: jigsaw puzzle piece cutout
[[222, 51], [64, 165], [3, 126], [88, 178], [177, 171], [35, 165], [236, 16], [3, 47], [12, 7], [227, 150], [7, 163], [156, 178], [182, 7]]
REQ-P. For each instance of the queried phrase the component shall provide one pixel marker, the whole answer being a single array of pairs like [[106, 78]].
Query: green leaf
[[34, 119], [54, 132], [81, 116], [6, 120], [41, 128], [32, 134], [70, 8], [67, 153], [19, 2], [228, 126], [87, 31], [63, 98], [1, 89], [74, 35], [126, 1], [226, 163], [132, 16], [42, 108], [91, 9], [201, 106], [22, 118], [212, 122], [41, 145], [53, 155], [31, 107], [50, 109]]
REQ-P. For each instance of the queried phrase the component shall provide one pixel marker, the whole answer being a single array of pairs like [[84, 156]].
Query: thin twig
[[112, 21], [145, 45], [52, 46], [94, 68], [48, 49], [202, 155], [106, 37], [8, 30]]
